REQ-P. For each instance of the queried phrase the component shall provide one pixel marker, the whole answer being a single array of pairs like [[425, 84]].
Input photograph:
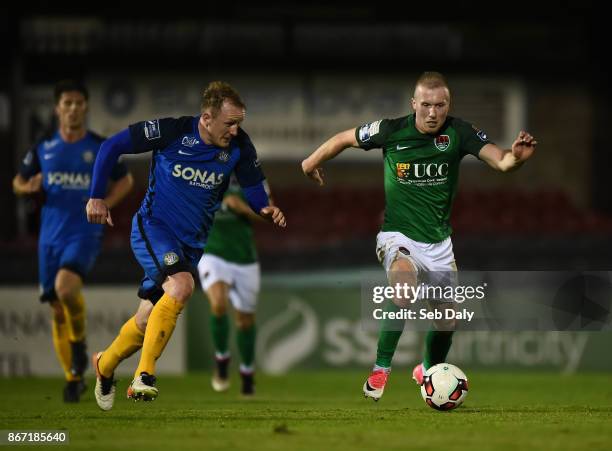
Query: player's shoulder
[[46, 140], [96, 137], [243, 140], [398, 123], [458, 123]]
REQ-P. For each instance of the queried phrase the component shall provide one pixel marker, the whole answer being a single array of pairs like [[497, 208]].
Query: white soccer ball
[[444, 386]]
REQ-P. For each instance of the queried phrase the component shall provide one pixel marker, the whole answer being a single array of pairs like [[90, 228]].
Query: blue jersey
[[188, 177], [66, 175]]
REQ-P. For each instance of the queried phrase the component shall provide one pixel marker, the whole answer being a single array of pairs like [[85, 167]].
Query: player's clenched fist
[[98, 212]]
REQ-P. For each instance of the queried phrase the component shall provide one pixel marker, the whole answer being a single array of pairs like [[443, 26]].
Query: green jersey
[[231, 235], [421, 172]]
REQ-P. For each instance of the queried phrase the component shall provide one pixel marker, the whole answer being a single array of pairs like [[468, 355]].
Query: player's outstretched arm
[[311, 166], [508, 160]]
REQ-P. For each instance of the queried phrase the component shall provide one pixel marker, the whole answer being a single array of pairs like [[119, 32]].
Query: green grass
[[325, 410]]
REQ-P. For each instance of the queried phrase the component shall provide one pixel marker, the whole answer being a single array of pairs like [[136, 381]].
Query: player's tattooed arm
[[511, 159]]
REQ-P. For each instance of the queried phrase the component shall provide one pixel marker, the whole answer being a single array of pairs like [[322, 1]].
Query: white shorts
[[243, 280], [424, 256]]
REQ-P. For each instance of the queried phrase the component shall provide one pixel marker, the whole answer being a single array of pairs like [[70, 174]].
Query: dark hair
[[67, 86], [216, 93]]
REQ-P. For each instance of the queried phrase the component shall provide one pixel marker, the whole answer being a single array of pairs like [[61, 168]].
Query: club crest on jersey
[[402, 169], [442, 142], [170, 258], [151, 129], [223, 156], [88, 156]]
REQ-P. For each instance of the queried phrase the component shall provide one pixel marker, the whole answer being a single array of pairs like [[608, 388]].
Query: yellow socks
[[59, 331], [159, 330], [128, 341], [75, 317]]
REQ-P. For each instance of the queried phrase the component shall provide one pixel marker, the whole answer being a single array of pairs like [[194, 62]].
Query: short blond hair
[[431, 80], [218, 92]]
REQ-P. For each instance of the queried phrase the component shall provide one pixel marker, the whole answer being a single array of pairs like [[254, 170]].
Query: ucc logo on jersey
[[407, 173], [442, 142], [195, 177], [69, 180]]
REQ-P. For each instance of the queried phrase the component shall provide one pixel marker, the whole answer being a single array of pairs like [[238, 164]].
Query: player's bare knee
[[218, 308], [66, 293], [244, 320], [180, 286], [67, 285]]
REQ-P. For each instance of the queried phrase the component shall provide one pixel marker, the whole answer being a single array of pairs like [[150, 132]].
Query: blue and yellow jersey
[[66, 176], [188, 177]]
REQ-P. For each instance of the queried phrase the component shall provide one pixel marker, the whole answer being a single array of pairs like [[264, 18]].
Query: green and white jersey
[[231, 235], [421, 172]]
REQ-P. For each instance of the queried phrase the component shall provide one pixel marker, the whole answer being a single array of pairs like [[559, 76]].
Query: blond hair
[[218, 92], [432, 80]]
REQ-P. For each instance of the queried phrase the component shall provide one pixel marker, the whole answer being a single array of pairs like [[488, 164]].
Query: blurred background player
[[229, 272], [60, 165], [193, 158], [422, 153]]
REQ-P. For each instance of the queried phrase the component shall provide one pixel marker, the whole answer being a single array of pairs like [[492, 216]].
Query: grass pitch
[[325, 410]]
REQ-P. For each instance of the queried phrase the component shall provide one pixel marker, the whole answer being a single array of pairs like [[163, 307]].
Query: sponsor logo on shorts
[[482, 135], [170, 258], [151, 129], [442, 142]]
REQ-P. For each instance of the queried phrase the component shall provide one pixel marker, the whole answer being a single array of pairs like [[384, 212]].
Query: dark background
[[542, 217]]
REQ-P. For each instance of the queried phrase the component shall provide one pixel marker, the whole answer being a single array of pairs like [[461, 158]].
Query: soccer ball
[[444, 386]]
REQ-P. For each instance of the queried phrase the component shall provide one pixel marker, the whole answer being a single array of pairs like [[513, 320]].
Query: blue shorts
[[77, 255], [160, 254]]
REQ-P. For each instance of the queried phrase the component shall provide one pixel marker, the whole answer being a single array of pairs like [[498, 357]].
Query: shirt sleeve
[[248, 169], [157, 133], [472, 138], [30, 165], [372, 135], [119, 171]]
